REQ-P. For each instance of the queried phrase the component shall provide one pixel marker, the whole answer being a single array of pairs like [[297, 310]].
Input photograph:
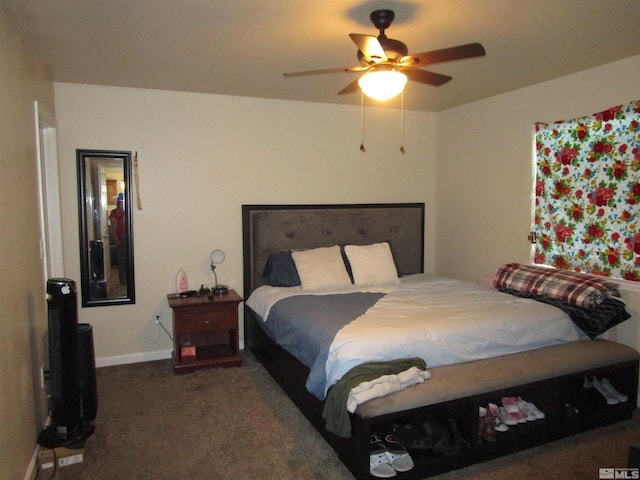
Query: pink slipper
[[512, 411], [506, 418]]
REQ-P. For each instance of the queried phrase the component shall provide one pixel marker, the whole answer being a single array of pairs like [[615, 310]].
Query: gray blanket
[[306, 325]]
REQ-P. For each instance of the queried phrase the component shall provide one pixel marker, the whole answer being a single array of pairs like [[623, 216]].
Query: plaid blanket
[[568, 287], [592, 321]]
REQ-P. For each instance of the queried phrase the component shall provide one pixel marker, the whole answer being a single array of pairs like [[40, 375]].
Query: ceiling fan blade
[[423, 76], [352, 87], [370, 47], [357, 68], [444, 55]]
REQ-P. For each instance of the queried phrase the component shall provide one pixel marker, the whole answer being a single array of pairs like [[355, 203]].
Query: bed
[[548, 369]]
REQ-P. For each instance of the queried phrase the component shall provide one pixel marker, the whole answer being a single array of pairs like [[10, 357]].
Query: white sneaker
[[379, 465], [604, 391], [397, 454], [612, 390], [535, 411]]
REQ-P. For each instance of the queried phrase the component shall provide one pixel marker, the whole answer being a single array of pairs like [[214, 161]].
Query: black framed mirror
[[106, 227]]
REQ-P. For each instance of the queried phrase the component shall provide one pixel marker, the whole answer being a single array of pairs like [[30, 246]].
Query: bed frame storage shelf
[[205, 331], [550, 395]]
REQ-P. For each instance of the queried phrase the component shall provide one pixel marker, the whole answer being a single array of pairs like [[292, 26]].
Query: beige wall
[[23, 304], [201, 157], [485, 173]]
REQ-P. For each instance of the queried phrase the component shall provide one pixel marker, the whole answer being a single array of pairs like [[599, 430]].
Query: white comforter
[[442, 321]]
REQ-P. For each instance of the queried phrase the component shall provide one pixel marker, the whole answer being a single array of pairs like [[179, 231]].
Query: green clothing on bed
[[335, 405]]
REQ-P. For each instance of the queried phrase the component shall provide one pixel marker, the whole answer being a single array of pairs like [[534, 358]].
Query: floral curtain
[[587, 193]]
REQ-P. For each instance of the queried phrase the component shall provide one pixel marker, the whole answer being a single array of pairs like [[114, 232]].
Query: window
[[587, 193]]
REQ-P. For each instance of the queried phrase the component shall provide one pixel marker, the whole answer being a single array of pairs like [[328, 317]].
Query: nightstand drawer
[[201, 322]]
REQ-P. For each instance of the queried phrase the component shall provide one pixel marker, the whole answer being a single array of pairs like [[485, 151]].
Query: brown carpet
[[236, 423]]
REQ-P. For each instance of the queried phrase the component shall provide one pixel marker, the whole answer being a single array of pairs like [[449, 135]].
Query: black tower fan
[[72, 392]]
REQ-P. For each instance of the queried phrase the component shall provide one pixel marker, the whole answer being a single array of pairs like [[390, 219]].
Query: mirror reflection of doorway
[[116, 267]]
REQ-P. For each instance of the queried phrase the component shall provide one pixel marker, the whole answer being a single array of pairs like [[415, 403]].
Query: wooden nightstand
[[205, 331]]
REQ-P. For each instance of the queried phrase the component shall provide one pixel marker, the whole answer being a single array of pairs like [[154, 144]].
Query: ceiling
[[242, 47]]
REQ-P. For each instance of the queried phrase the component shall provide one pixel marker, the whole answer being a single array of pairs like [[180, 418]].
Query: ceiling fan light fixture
[[382, 84]]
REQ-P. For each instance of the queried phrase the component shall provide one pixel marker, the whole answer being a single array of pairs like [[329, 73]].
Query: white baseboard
[[32, 470], [138, 357], [133, 358]]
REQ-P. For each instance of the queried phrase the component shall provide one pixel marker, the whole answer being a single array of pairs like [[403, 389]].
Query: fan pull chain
[[362, 149], [402, 122]]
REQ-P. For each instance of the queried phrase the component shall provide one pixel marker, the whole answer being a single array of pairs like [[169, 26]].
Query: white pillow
[[372, 264], [321, 268]]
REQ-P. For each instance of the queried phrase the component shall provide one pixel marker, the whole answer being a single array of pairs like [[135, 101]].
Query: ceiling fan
[[391, 58]]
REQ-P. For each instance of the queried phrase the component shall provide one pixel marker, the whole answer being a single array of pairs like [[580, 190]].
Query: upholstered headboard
[[268, 229]]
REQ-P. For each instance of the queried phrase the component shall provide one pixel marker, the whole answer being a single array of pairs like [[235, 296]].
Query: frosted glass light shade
[[382, 85]]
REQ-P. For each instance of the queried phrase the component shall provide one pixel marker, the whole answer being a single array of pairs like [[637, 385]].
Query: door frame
[[51, 251]]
